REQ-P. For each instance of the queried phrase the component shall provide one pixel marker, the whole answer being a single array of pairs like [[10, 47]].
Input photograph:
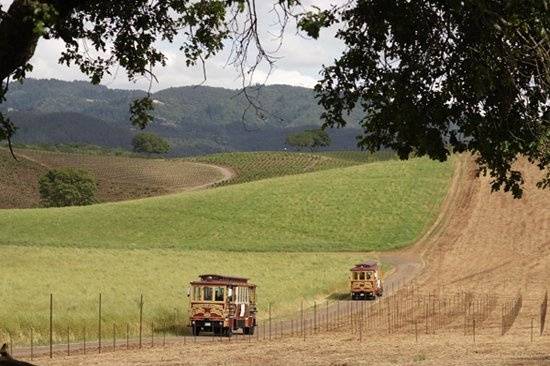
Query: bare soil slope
[[119, 178], [491, 243]]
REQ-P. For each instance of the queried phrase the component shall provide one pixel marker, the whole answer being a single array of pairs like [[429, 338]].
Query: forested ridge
[[195, 119]]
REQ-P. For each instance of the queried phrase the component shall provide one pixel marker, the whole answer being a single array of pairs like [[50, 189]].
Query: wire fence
[[405, 312]]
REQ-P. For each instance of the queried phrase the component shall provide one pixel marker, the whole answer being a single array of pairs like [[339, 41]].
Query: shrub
[[150, 143], [67, 187], [311, 139]]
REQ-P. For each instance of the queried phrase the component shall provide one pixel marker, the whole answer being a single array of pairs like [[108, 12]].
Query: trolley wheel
[[228, 332], [218, 330], [249, 330]]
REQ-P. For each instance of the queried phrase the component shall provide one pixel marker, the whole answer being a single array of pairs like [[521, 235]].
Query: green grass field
[[296, 236], [377, 206], [75, 277], [252, 166]]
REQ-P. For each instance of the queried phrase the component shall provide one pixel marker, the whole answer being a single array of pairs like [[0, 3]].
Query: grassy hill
[[295, 236], [252, 166], [367, 207]]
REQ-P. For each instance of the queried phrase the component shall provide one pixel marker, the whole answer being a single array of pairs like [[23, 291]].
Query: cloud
[[298, 63]]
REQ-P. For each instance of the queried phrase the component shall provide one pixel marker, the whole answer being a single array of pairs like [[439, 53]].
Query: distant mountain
[[67, 128], [194, 119]]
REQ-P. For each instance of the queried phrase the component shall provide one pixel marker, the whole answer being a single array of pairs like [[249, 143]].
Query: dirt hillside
[[490, 242], [119, 178]]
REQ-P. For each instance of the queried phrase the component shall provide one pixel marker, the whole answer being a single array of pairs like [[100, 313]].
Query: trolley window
[[196, 293], [218, 293], [207, 294], [361, 275], [242, 295]]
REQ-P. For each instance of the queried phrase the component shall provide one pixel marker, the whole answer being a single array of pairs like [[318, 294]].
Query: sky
[[299, 59]]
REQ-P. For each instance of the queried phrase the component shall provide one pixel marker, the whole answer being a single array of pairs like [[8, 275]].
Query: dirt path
[[227, 173]]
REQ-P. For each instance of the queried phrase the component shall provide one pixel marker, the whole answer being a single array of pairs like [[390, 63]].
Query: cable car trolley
[[366, 281], [222, 305]]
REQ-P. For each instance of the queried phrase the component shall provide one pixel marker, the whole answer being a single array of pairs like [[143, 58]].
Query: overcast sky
[[299, 64]]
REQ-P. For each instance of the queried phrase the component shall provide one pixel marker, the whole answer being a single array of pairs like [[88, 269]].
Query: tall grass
[[75, 277]]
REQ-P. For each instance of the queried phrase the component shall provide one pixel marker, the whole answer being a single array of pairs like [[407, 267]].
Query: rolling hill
[[309, 212], [123, 176], [294, 235]]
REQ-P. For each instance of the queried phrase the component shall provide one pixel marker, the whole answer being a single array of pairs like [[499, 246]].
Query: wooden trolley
[[222, 305], [366, 281]]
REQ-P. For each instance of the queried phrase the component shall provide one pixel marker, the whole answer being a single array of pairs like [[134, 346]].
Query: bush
[[67, 187], [150, 143], [311, 139]]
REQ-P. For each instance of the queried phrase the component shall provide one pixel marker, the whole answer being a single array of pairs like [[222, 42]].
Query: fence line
[[404, 312]]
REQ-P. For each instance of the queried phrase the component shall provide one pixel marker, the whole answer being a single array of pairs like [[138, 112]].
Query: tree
[[125, 33], [434, 77], [320, 138], [150, 143], [311, 139], [67, 187], [437, 77], [299, 140]]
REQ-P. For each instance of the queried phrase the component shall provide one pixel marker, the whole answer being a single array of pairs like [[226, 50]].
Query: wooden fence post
[[502, 320], [474, 329], [302, 319], [269, 321], [543, 312], [532, 329], [152, 334], [303, 324], [141, 321], [326, 317], [314, 317], [32, 345], [338, 313], [51, 325], [99, 325]]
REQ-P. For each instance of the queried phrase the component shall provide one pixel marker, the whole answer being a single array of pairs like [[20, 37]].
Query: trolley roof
[[366, 266], [216, 279]]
